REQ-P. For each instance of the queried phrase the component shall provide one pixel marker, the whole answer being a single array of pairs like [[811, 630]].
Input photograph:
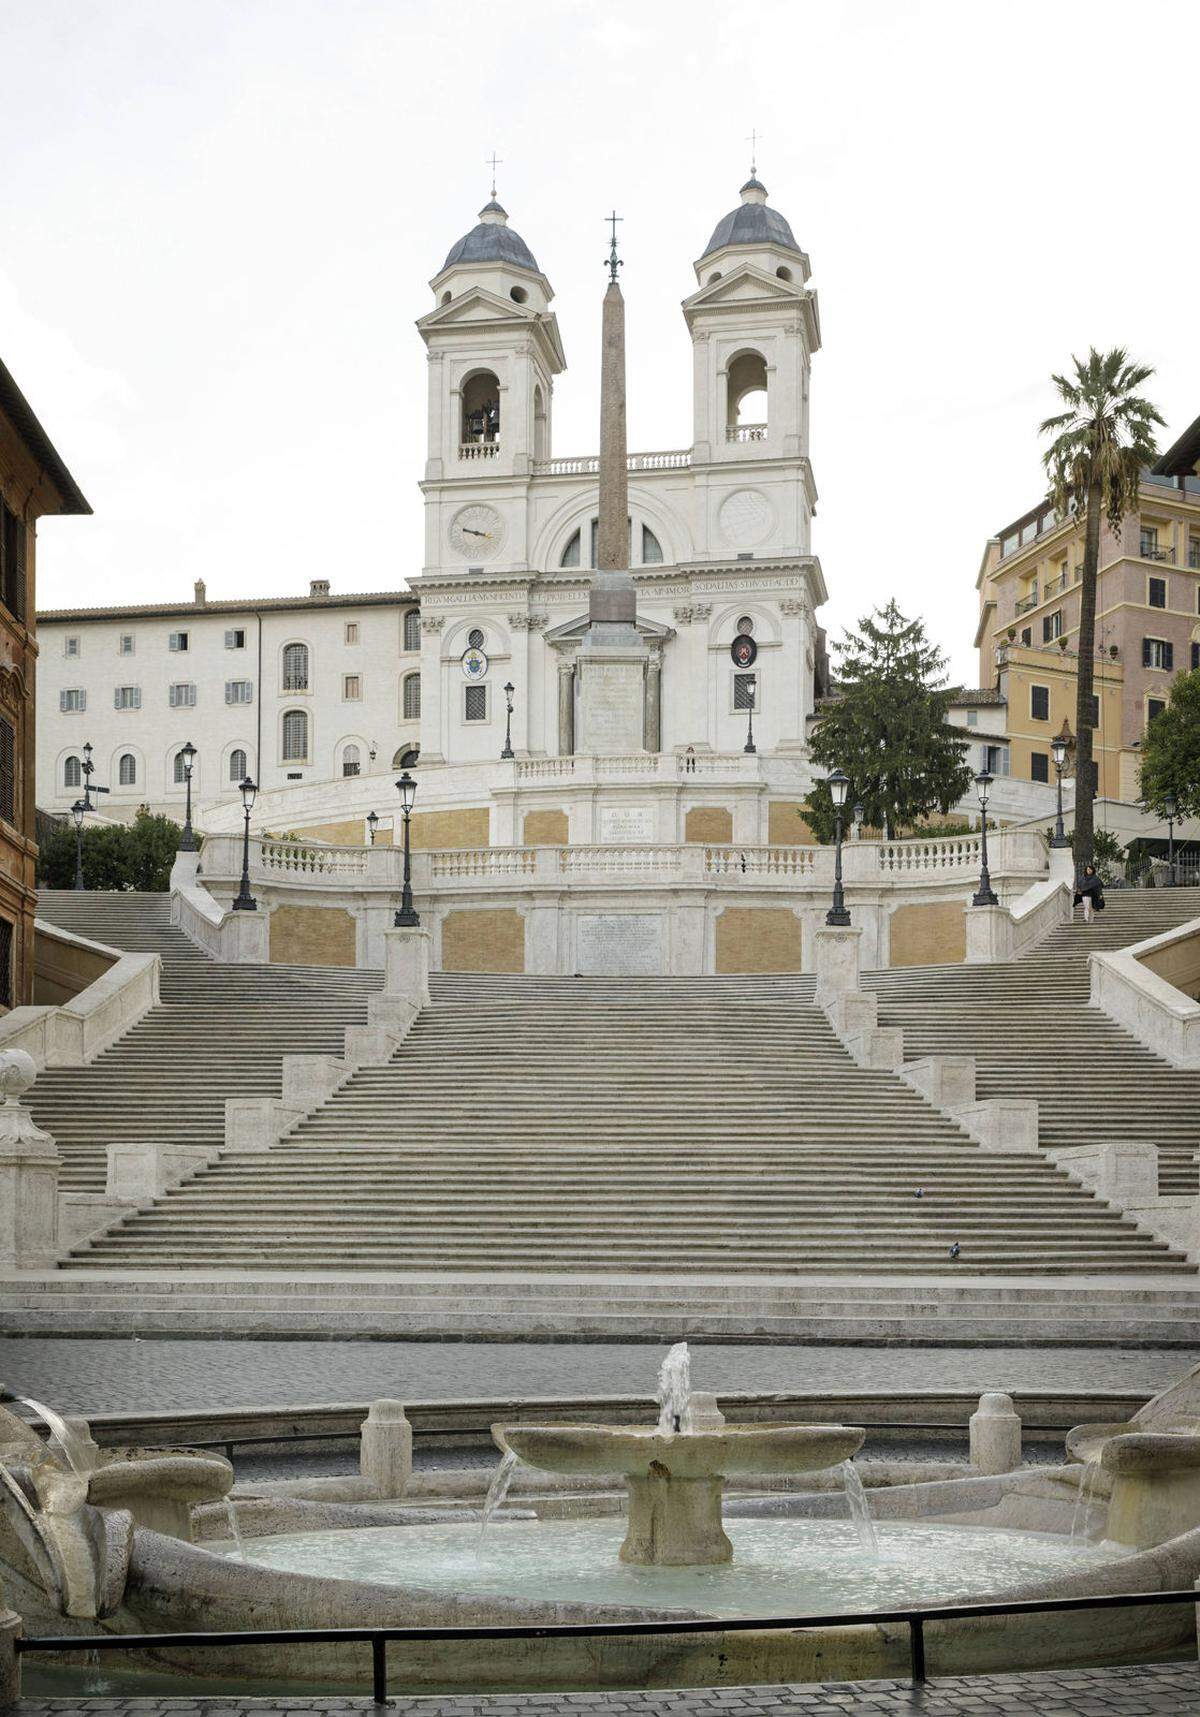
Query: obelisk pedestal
[[612, 659]]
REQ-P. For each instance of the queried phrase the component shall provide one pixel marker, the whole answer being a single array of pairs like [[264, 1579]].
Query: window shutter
[[1168, 656], [62, 702], [1145, 652], [8, 775]]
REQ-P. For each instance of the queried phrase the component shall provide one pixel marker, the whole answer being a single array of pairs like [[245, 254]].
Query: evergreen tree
[[1171, 750], [887, 728], [115, 855]]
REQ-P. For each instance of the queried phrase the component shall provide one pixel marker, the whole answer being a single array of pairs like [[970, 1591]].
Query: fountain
[[675, 1475]]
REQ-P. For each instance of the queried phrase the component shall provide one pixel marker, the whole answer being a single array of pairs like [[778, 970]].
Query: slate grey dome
[[493, 240], [752, 222]]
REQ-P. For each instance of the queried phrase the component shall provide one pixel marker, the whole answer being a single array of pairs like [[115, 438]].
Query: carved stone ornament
[[792, 605], [682, 616], [13, 691], [702, 611], [520, 622], [432, 623], [18, 1070]]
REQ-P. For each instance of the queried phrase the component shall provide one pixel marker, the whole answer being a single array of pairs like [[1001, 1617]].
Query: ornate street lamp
[[77, 811], [372, 825], [839, 785], [187, 841], [88, 768], [508, 698], [1170, 812], [1060, 750], [406, 918], [985, 895], [244, 901], [751, 688]]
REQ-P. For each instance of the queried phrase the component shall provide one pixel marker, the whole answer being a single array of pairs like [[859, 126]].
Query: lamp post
[[406, 918], [372, 825], [88, 768], [985, 895], [187, 841], [751, 688], [1060, 750], [244, 901], [77, 811], [1170, 812], [839, 785], [508, 698]]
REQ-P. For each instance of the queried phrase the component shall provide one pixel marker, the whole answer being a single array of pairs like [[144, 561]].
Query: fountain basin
[[675, 1480]]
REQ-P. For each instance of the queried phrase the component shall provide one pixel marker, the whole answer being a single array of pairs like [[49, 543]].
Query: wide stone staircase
[[655, 1127], [220, 1031], [1032, 1032]]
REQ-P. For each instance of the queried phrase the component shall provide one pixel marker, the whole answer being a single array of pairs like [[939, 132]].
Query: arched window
[[412, 697], [406, 757], [73, 773], [475, 638], [540, 447], [295, 667], [746, 418], [180, 768], [351, 764], [127, 770], [570, 555], [651, 547], [237, 766], [295, 736], [481, 411], [412, 629]]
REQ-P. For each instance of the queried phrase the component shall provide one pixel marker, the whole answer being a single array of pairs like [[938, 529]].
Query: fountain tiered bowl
[[675, 1479]]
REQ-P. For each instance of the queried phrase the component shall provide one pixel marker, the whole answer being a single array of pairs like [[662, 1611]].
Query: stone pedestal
[[948, 1081], [1062, 865], [142, 1172], [1123, 1171], [995, 1429], [675, 1522], [612, 691], [837, 954], [989, 934], [28, 1174], [385, 1450], [406, 966]]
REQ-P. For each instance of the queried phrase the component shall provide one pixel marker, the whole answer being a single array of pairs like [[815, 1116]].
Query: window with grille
[[8, 771], [351, 687], [295, 668], [179, 641], [235, 638], [412, 697], [295, 736], [412, 629], [239, 691], [1039, 766], [475, 703], [6, 962], [126, 645], [745, 691], [1039, 704], [237, 766], [127, 770], [72, 772], [72, 698], [127, 697], [71, 646], [475, 638], [1156, 592], [12, 561], [1158, 653], [182, 696], [351, 764]]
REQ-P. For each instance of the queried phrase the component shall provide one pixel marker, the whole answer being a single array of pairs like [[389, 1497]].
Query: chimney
[[201, 592], [318, 587]]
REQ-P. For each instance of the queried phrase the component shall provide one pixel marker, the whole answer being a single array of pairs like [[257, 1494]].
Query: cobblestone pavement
[[96, 1376], [1168, 1690]]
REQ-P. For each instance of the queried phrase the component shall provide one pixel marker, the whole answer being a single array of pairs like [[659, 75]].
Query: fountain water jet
[[860, 1507]]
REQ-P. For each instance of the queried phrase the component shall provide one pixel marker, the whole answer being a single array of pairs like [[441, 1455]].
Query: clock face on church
[[476, 532]]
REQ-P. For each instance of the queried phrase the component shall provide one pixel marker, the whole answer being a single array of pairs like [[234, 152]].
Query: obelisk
[[613, 656]]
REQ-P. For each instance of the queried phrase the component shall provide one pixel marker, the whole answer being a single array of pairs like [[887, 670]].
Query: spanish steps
[[662, 1126]]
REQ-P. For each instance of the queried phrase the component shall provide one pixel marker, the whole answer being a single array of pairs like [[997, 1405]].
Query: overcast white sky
[[220, 218]]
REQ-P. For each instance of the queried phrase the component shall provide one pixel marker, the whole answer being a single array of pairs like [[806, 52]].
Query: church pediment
[[744, 283], [477, 305], [572, 631]]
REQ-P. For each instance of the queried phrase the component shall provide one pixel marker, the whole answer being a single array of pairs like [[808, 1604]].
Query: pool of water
[[780, 1567]]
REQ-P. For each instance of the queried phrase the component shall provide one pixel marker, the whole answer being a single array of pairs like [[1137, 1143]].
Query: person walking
[[1090, 893]]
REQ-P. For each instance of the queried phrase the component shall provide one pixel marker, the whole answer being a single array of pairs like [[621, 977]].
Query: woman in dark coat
[[1090, 893]]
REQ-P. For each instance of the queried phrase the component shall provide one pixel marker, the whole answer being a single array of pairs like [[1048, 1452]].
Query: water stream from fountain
[[498, 1490], [675, 1391], [234, 1529], [860, 1507], [1085, 1500], [68, 1440]]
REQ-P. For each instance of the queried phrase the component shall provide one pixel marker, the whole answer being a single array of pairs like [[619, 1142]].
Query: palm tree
[[1102, 443]]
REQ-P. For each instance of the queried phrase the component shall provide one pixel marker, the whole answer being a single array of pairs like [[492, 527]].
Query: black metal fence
[[915, 1619]]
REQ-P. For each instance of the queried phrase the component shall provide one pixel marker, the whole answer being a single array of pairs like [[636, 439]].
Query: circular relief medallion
[[476, 532], [744, 651], [746, 517], [474, 664]]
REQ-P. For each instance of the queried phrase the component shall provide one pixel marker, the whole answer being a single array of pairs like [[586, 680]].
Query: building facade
[[1147, 626], [34, 482], [320, 688]]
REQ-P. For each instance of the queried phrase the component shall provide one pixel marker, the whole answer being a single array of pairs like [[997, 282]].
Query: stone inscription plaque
[[619, 945], [626, 825]]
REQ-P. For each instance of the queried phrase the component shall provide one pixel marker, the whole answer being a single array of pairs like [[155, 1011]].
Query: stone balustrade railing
[[674, 766], [587, 464]]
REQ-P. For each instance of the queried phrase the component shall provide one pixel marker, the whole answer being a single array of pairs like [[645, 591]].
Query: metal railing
[[1027, 602], [916, 1619], [1151, 551]]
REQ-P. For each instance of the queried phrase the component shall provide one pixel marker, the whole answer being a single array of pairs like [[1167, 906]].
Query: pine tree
[[887, 727]]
